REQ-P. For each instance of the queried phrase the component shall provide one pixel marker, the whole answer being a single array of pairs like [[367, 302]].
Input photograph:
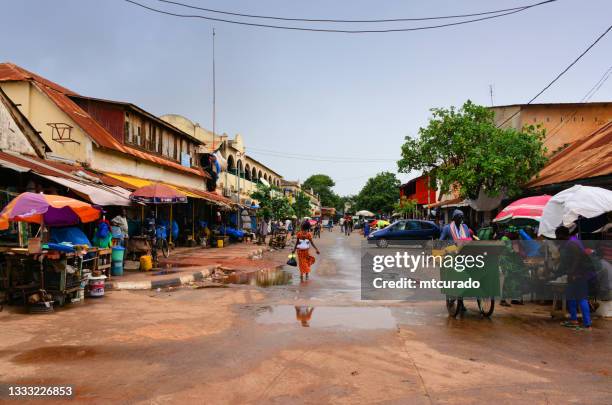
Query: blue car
[[404, 230]]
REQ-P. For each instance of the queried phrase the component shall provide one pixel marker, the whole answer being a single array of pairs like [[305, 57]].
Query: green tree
[[379, 194], [322, 185], [343, 201], [464, 146], [272, 203], [301, 205], [405, 207]]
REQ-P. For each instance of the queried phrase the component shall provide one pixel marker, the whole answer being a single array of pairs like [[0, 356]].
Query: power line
[[322, 29], [597, 85], [592, 91], [561, 74], [270, 151], [520, 8], [324, 159]]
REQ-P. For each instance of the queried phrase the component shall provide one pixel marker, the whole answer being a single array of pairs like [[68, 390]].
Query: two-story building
[[116, 139], [243, 172], [292, 188]]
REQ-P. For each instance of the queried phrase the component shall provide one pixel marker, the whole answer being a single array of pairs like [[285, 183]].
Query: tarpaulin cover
[[70, 234]]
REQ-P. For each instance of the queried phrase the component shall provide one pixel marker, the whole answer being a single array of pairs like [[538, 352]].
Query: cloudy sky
[[310, 102]]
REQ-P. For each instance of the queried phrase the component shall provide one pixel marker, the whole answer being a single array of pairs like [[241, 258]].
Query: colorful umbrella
[[572, 204], [364, 213], [525, 208], [157, 193], [381, 223], [52, 210]]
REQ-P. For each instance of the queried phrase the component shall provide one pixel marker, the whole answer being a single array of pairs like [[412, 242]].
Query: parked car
[[404, 230]]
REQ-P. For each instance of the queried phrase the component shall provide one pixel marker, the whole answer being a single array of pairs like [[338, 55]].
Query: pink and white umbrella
[[525, 208]]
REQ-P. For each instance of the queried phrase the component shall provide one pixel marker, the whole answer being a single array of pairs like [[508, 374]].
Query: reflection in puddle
[[262, 278], [303, 314], [330, 317]]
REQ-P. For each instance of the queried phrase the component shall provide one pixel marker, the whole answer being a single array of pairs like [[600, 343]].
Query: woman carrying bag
[[302, 245]]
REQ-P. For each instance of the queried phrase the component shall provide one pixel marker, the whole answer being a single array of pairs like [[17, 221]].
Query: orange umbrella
[[50, 209]]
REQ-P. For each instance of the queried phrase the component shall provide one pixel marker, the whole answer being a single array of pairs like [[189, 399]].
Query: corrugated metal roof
[[585, 158], [59, 95], [12, 72]]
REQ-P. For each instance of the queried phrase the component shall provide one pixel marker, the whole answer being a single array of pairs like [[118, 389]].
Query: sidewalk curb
[[176, 281], [169, 282]]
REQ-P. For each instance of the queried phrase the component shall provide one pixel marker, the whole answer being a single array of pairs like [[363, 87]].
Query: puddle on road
[[261, 278], [55, 354], [329, 317]]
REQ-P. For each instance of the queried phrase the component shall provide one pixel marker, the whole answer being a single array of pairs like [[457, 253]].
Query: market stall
[[51, 269]]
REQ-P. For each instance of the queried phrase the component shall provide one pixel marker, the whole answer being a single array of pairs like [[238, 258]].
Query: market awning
[[138, 182], [99, 195]]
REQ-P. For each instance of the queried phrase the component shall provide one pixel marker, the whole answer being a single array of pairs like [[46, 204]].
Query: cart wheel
[[165, 248], [486, 306], [453, 305]]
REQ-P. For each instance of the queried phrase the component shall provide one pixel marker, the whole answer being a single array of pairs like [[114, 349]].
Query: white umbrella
[[364, 213], [567, 206]]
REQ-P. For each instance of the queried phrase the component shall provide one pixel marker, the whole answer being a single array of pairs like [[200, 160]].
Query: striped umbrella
[[525, 208], [50, 209]]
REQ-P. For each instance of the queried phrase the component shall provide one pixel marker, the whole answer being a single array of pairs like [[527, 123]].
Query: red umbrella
[[157, 193], [525, 208]]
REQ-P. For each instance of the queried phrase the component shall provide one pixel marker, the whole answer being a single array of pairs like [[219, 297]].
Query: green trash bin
[[117, 254]]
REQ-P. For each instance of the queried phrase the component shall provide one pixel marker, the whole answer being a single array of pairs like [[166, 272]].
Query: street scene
[[248, 203]]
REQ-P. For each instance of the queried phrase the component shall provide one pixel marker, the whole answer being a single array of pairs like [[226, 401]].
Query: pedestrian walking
[[366, 229], [262, 231], [302, 245], [317, 229]]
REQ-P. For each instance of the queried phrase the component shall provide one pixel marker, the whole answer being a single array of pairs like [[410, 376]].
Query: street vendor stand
[[57, 270]]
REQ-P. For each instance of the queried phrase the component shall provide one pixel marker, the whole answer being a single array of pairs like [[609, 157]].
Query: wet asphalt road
[[311, 342]]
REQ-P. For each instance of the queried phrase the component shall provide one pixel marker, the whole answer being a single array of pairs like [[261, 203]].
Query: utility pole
[[491, 94], [214, 97]]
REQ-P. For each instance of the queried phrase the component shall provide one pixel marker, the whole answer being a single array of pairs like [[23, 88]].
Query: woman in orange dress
[[302, 245]]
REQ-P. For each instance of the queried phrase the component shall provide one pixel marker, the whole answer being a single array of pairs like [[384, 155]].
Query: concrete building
[[577, 139], [565, 123], [291, 188], [243, 171]]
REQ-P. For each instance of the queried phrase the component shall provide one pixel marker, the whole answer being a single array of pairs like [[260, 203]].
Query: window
[[148, 137], [138, 139], [127, 137], [400, 226], [412, 226], [426, 225]]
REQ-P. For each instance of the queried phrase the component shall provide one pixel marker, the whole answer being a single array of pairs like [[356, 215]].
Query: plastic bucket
[[96, 286], [146, 263], [117, 268], [117, 255], [219, 243]]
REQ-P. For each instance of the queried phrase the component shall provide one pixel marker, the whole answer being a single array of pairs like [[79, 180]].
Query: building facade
[[103, 135], [291, 188], [243, 172]]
